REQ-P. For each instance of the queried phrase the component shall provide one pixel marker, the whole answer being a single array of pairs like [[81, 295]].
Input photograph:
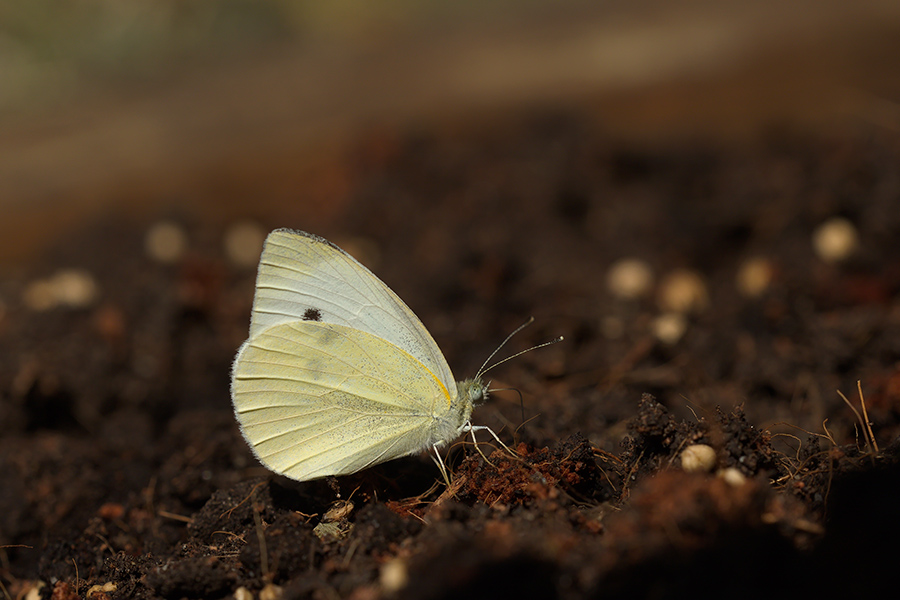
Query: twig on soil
[[828, 435], [106, 544], [792, 436], [862, 402], [628, 475], [606, 455], [868, 435], [250, 495], [597, 451], [521, 425], [174, 516]]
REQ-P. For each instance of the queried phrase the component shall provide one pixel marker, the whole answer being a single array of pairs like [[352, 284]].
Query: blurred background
[[243, 108], [701, 196]]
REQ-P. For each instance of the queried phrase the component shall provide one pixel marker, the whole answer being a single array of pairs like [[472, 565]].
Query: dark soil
[[123, 474]]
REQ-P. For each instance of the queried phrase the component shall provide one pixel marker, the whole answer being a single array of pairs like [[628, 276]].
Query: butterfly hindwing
[[317, 399]]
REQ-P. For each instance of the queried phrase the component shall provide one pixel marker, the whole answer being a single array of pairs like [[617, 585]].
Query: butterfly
[[338, 374]]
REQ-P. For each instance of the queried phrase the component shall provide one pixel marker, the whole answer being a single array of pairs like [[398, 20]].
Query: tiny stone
[[73, 288], [629, 278], [165, 242], [96, 590], [754, 277], [243, 593], [733, 477], [835, 240], [698, 458], [683, 291], [669, 328], [270, 592], [394, 575]]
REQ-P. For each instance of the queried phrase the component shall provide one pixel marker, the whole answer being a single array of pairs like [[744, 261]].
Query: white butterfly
[[338, 374]]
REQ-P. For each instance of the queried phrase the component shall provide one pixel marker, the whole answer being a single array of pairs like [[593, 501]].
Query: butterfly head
[[475, 391]]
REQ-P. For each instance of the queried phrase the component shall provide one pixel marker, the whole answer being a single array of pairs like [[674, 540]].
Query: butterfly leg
[[440, 464], [477, 447], [474, 428]]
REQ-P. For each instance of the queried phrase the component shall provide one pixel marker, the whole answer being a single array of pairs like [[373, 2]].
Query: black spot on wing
[[312, 314]]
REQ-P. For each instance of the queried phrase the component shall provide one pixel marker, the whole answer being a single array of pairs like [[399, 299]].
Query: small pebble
[[34, 593], [698, 458], [270, 592], [165, 242], [71, 288], [754, 277], [732, 477], [244, 243], [394, 575], [669, 328], [629, 278], [243, 593], [97, 590], [835, 240], [683, 291], [75, 288]]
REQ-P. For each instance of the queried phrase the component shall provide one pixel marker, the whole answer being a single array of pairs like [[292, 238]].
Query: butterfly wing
[[306, 277], [316, 399]]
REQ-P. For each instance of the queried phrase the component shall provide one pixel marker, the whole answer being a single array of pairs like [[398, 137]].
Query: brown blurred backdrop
[[236, 109]]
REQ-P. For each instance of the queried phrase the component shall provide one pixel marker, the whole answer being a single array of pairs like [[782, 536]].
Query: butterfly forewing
[[303, 277]]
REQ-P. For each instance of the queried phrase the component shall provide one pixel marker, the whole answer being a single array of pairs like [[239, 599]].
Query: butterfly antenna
[[484, 369]]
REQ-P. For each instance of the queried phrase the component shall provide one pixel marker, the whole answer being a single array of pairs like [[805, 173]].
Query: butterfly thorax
[[448, 426]]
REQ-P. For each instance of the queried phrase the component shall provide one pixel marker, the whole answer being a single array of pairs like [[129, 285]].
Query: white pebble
[[754, 277], [732, 477], [71, 288], [698, 458], [669, 327], [34, 592], [165, 242], [683, 291], [835, 240], [243, 593], [270, 592], [244, 243], [629, 278], [75, 288], [394, 575]]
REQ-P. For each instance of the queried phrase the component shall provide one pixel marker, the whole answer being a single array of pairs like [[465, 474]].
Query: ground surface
[[121, 464]]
